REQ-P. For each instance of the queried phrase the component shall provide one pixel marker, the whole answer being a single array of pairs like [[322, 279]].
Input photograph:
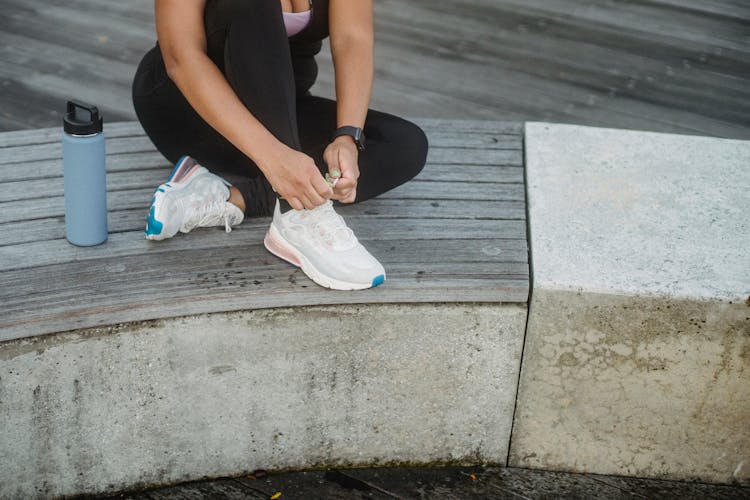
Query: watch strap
[[355, 133]]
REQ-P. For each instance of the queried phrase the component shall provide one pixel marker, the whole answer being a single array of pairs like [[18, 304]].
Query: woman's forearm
[[353, 62], [352, 48], [182, 40], [208, 92]]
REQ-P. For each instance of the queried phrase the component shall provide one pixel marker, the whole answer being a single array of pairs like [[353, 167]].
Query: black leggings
[[248, 42]]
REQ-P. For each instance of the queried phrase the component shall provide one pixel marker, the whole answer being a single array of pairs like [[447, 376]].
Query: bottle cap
[[82, 119]]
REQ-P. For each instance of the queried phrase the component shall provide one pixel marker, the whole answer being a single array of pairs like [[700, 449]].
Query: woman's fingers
[[297, 179], [331, 158], [345, 184], [341, 157], [321, 189], [350, 197], [314, 198], [343, 188], [295, 203]]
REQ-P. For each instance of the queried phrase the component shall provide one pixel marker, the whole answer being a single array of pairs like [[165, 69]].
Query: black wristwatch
[[353, 132]]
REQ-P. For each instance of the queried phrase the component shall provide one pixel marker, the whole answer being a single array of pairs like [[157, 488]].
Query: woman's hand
[[296, 178], [342, 156]]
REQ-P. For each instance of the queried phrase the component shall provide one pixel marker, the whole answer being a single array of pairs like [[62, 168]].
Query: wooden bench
[[455, 234]]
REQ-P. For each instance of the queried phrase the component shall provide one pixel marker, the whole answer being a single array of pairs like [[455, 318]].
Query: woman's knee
[[410, 145]]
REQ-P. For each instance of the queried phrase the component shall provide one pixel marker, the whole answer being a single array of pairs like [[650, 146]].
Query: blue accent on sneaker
[[378, 280], [160, 190], [153, 226]]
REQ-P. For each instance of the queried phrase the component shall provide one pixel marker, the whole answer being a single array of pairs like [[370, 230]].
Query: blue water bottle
[[85, 175]]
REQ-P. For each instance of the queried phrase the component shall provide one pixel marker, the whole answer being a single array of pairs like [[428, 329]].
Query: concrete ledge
[[204, 396], [637, 355]]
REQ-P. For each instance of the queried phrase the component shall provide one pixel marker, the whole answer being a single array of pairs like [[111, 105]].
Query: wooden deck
[[665, 65], [457, 233], [448, 483]]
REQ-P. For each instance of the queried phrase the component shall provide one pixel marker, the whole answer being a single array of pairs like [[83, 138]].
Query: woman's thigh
[[175, 128]]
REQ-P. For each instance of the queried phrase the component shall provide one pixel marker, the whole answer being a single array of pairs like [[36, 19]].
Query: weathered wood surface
[[663, 65], [449, 483], [457, 233]]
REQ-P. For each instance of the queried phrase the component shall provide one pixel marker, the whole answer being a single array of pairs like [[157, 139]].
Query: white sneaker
[[192, 197], [319, 242]]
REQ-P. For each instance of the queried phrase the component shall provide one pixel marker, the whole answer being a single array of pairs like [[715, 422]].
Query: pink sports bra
[[296, 21]]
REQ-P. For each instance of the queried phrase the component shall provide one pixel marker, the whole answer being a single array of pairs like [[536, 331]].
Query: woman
[[225, 96]]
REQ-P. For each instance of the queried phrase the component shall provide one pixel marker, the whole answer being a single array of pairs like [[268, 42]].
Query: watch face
[[360, 140]]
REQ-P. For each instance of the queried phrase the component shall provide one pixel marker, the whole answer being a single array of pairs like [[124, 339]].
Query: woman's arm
[[182, 39], [352, 47]]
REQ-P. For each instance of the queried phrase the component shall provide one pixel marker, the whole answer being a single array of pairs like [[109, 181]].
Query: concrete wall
[[172, 400], [637, 355], [635, 386]]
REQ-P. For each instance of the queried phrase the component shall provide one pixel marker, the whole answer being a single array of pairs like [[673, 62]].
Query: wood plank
[[133, 219], [327, 485], [635, 487], [472, 140], [51, 169], [50, 135], [224, 488], [739, 10], [445, 133], [53, 151], [422, 255], [40, 253], [457, 191], [107, 291], [237, 289], [137, 144], [293, 291], [54, 206], [632, 17], [40, 170], [143, 178], [476, 482], [275, 288], [459, 125]]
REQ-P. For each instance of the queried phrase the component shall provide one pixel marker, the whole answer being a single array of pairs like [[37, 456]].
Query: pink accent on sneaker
[[276, 247], [185, 170]]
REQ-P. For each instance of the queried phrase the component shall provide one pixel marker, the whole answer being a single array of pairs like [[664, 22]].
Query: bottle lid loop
[[82, 119]]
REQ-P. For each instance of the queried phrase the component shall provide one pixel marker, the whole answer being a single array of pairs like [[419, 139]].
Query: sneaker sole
[[280, 247]]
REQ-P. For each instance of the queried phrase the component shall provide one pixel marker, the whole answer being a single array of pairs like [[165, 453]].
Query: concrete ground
[[449, 483]]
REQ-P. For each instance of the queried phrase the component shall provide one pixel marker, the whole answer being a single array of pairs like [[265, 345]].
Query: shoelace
[[211, 214], [331, 226]]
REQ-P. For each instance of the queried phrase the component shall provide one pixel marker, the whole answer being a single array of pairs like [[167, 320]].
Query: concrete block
[[637, 355], [223, 394]]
